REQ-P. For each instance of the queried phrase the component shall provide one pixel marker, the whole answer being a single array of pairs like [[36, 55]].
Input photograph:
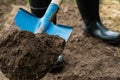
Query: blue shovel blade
[[28, 22], [60, 30]]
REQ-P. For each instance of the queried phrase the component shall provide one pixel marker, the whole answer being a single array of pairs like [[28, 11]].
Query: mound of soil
[[25, 56]]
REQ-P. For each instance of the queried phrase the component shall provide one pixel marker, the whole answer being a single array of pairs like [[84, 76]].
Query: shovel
[[28, 22]]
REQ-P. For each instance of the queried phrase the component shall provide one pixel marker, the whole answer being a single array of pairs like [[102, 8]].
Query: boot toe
[[112, 37], [108, 36]]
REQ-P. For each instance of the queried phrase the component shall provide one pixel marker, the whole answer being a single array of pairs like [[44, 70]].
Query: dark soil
[[87, 58], [25, 56]]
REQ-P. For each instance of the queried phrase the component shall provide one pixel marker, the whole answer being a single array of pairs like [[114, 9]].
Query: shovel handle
[[58, 2], [51, 11]]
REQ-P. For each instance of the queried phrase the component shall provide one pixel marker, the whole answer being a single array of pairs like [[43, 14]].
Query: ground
[[85, 57]]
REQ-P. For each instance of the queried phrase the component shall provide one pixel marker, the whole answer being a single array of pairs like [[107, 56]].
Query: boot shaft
[[39, 7], [39, 3], [89, 10]]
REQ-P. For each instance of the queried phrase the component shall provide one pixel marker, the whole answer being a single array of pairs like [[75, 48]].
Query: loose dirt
[[25, 56], [87, 58]]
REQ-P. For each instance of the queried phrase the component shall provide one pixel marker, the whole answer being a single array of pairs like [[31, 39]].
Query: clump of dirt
[[25, 56]]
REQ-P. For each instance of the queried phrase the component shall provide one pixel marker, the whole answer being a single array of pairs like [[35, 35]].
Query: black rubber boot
[[89, 10], [38, 8]]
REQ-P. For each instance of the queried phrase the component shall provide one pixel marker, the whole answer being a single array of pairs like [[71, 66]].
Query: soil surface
[[25, 56], [86, 58]]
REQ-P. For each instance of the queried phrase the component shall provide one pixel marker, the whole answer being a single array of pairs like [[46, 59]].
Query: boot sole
[[114, 43]]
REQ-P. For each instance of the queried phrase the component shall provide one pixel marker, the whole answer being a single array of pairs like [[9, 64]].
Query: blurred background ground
[[84, 55]]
